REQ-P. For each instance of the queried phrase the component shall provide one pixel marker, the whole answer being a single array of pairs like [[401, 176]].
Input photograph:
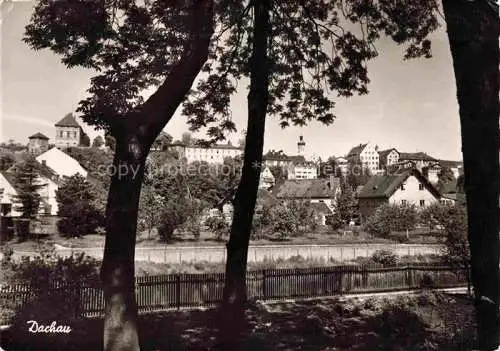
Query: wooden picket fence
[[175, 291]]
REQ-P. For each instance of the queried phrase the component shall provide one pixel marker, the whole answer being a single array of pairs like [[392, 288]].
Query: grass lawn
[[208, 239], [426, 321]]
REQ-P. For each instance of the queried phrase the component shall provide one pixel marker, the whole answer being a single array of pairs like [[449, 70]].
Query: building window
[[422, 203], [404, 202], [402, 187], [420, 186]]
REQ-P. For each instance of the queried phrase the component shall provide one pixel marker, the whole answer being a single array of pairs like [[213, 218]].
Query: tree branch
[[159, 108]]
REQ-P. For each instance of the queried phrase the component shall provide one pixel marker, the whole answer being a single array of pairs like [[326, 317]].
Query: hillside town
[[378, 176]]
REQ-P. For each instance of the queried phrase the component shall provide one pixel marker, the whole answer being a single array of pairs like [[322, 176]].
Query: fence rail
[[175, 291]]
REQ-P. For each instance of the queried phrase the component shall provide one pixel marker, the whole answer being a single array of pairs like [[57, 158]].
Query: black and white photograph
[[319, 175]]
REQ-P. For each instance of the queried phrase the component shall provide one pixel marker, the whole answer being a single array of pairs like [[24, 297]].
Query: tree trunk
[[473, 36], [134, 136], [234, 296], [120, 321]]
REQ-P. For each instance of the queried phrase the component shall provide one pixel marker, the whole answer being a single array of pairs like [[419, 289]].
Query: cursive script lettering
[[52, 328]]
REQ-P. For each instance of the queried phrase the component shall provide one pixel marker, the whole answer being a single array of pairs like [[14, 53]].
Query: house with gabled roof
[[407, 187], [322, 190], [388, 157], [49, 182], [61, 163], [68, 132]]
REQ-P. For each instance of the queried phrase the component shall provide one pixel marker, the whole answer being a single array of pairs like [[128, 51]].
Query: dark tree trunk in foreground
[[134, 137], [473, 31], [234, 296]]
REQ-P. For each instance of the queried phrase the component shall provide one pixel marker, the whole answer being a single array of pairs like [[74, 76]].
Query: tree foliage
[[98, 142], [77, 209], [28, 184], [311, 54], [284, 221], [389, 218]]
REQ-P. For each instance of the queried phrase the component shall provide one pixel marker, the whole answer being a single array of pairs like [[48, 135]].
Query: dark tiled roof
[[383, 186], [68, 121], [355, 151], [321, 207], [38, 136], [306, 188], [450, 164], [417, 156], [264, 197], [450, 187]]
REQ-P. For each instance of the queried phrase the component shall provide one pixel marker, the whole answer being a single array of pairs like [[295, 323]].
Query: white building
[[68, 132], [61, 163], [267, 179], [47, 191], [213, 154], [305, 170], [366, 155], [409, 187]]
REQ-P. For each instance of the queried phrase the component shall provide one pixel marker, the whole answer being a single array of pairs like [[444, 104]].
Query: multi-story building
[[303, 170], [366, 155], [388, 157], [38, 143], [213, 154], [419, 159], [68, 132]]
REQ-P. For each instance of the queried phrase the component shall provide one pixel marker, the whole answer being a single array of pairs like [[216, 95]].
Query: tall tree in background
[[133, 47], [473, 30]]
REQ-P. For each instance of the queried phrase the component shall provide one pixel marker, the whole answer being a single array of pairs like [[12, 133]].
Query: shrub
[[84, 220], [218, 226], [285, 222], [384, 257], [391, 217], [55, 283]]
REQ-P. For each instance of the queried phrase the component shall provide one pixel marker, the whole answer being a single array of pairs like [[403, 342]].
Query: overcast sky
[[411, 105]]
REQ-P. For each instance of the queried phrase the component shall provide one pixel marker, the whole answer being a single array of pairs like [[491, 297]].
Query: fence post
[[178, 291], [264, 284], [408, 281]]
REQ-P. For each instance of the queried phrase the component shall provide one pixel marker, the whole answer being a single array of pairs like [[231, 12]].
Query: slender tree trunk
[[118, 276], [235, 295], [473, 30]]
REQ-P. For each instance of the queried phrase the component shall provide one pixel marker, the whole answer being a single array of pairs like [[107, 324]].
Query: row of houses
[[389, 160], [407, 186]]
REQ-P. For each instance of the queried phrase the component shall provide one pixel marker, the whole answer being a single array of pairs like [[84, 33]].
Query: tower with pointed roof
[[68, 132]]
